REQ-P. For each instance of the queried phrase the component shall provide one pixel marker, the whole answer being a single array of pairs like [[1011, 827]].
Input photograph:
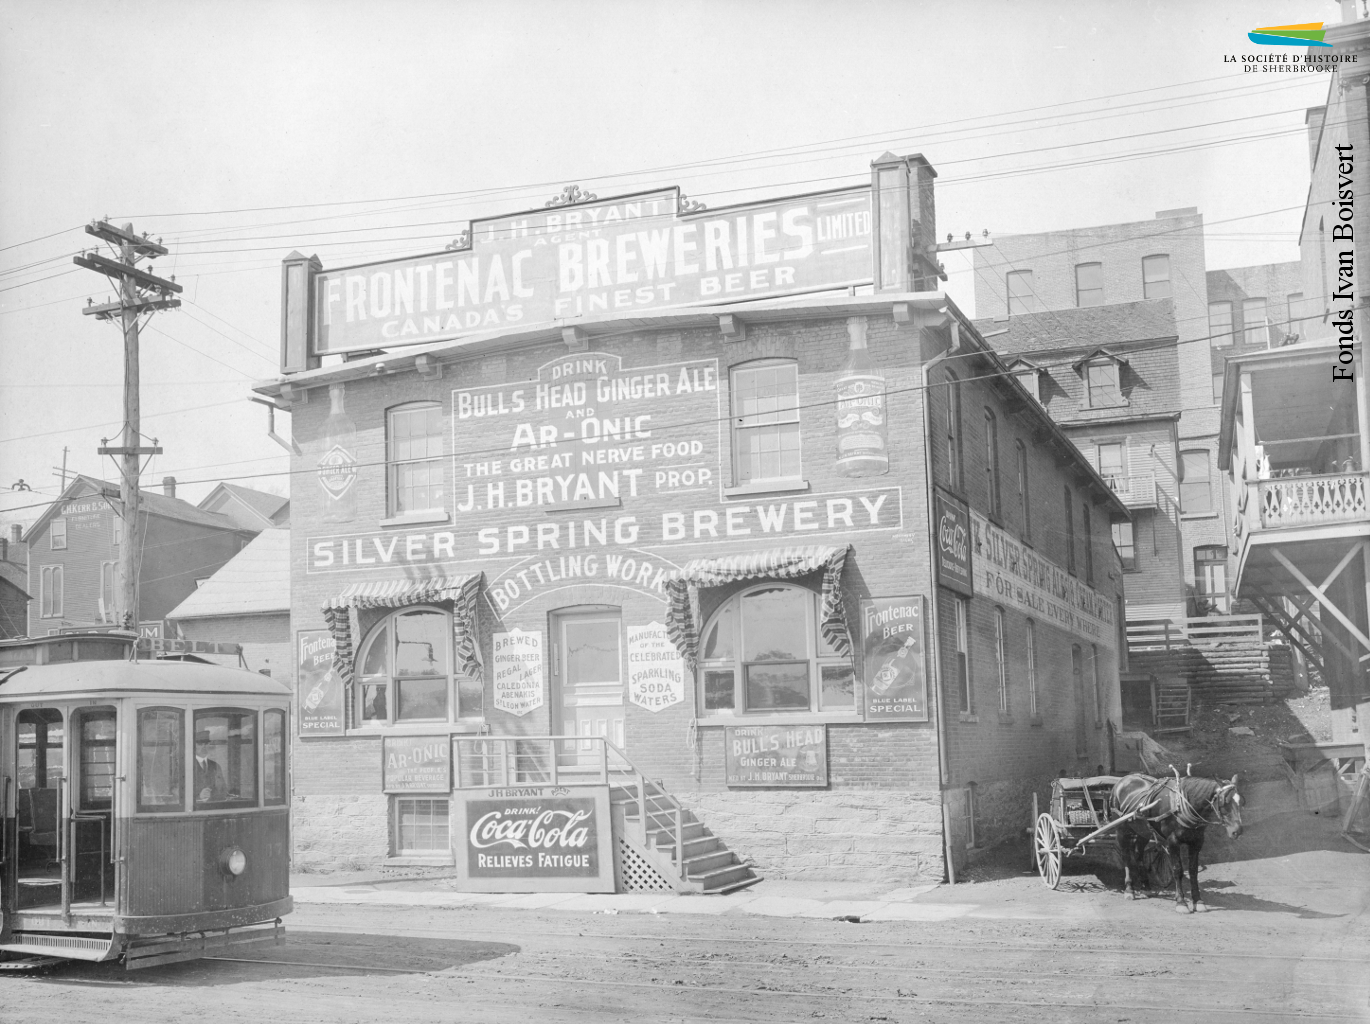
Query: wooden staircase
[[674, 841]]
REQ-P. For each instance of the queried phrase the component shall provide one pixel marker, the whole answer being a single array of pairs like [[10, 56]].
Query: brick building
[[838, 591], [73, 555], [1110, 377], [1127, 263]]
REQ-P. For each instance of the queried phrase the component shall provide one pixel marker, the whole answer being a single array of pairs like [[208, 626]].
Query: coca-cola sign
[[951, 543], [522, 837]]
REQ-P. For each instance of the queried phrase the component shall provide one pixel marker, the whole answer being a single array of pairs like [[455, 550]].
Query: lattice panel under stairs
[[635, 872]]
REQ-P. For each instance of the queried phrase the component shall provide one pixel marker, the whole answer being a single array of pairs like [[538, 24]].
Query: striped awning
[[682, 589], [461, 591]]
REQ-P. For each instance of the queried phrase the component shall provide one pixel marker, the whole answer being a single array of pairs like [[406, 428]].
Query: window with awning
[[773, 647], [423, 662]]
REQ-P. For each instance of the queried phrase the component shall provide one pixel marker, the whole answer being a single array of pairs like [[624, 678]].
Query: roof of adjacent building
[[1087, 328], [150, 501], [250, 508], [255, 581], [16, 576]]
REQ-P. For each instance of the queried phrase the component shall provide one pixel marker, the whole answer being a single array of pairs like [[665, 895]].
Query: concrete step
[[724, 878], [706, 862]]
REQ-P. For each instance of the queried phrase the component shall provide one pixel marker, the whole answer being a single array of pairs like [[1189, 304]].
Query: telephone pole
[[139, 293]]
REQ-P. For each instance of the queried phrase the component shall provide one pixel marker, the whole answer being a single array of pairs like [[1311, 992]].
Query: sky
[[240, 130]]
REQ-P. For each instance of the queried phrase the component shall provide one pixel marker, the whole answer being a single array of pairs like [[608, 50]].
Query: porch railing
[[1305, 500], [1138, 491], [1168, 634]]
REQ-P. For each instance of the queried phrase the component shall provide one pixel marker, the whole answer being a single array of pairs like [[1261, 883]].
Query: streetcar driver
[[210, 785]]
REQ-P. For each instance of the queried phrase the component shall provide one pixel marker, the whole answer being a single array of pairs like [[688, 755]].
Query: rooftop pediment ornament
[[687, 205], [570, 196]]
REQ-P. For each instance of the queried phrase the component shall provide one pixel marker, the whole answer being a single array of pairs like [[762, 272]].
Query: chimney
[[1314, 119], [4, 549], [16, 533], [169, 486]]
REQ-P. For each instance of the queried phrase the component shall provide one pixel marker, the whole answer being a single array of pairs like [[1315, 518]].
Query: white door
[[589, 664]]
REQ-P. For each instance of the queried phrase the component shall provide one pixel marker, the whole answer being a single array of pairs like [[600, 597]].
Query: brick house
[[667, 533], [73, 555]]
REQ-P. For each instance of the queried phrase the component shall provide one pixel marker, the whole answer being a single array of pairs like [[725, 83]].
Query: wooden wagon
[[1079, 820]]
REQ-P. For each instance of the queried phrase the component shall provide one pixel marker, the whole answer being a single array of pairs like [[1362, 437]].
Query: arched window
[[763, 652], [406, 671]]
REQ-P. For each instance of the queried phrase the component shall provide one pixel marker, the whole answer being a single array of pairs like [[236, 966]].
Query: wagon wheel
[[1156, 862], [1046, 842]]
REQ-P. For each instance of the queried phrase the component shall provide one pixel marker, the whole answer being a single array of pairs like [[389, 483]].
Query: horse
[[1175, 812]]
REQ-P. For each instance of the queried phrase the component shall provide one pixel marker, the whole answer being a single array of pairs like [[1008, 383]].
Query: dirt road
[[1014, 957]]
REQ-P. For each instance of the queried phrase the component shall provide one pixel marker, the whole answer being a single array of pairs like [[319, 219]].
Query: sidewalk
[[768, 898]]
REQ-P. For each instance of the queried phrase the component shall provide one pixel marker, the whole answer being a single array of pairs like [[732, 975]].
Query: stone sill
[[788, 486], [418, 518], [1005, 718], [414, 861], [799, 718], [471, 728], [1035, 721], [966, 716]]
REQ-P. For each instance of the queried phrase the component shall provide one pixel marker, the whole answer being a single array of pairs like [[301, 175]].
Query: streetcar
[[144, 804]]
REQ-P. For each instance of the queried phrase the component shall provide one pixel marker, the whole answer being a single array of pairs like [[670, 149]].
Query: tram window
[[97, 732], [273, 764], [225, 759], [161, 759], [40, 735]]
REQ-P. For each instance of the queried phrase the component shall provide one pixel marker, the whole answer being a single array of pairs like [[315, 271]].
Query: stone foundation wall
[[884, 836], [333, 833]]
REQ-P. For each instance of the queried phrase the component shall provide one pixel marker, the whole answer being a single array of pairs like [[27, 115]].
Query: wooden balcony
[[1137, 491], [1312, 500]]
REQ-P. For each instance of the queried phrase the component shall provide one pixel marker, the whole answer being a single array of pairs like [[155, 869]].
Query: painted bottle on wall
[[861, 431], [338, 463]]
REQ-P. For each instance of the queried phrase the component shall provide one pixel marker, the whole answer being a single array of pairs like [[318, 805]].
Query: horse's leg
[[1132, 871], [1194, 848], [1172, 849]]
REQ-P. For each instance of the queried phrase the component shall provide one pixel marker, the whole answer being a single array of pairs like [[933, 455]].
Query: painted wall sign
[[416, 764], [320, 690], [518, 671], [625, 253], [535, 839], [631, 569], [951, 548], [776, 755], [1017, 576], [588, 433], [894, 659], [709, 522], [656, 672]]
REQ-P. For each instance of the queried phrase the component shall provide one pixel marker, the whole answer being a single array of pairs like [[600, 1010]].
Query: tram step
[[68, 947]]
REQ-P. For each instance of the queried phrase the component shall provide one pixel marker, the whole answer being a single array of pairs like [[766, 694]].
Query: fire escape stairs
[[674, 841]]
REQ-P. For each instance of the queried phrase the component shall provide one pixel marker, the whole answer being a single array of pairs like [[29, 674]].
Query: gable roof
[[1083, 329], [1091, 356], [247, 506], [254, 581], [151, 501], [16, 576]]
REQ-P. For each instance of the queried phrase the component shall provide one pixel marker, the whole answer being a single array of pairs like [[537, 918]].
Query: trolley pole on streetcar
[[140, 293]]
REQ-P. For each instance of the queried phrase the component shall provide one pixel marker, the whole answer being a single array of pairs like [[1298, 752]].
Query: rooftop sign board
[[635, 252]]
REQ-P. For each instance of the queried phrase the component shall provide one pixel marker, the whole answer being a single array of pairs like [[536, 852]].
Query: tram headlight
[[233, 861]]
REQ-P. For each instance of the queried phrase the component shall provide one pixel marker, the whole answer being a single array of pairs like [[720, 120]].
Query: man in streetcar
[[210, 785]]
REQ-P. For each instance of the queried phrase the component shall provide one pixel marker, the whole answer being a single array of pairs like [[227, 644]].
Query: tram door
[[91, 829], [587, 663], [40, 806]]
